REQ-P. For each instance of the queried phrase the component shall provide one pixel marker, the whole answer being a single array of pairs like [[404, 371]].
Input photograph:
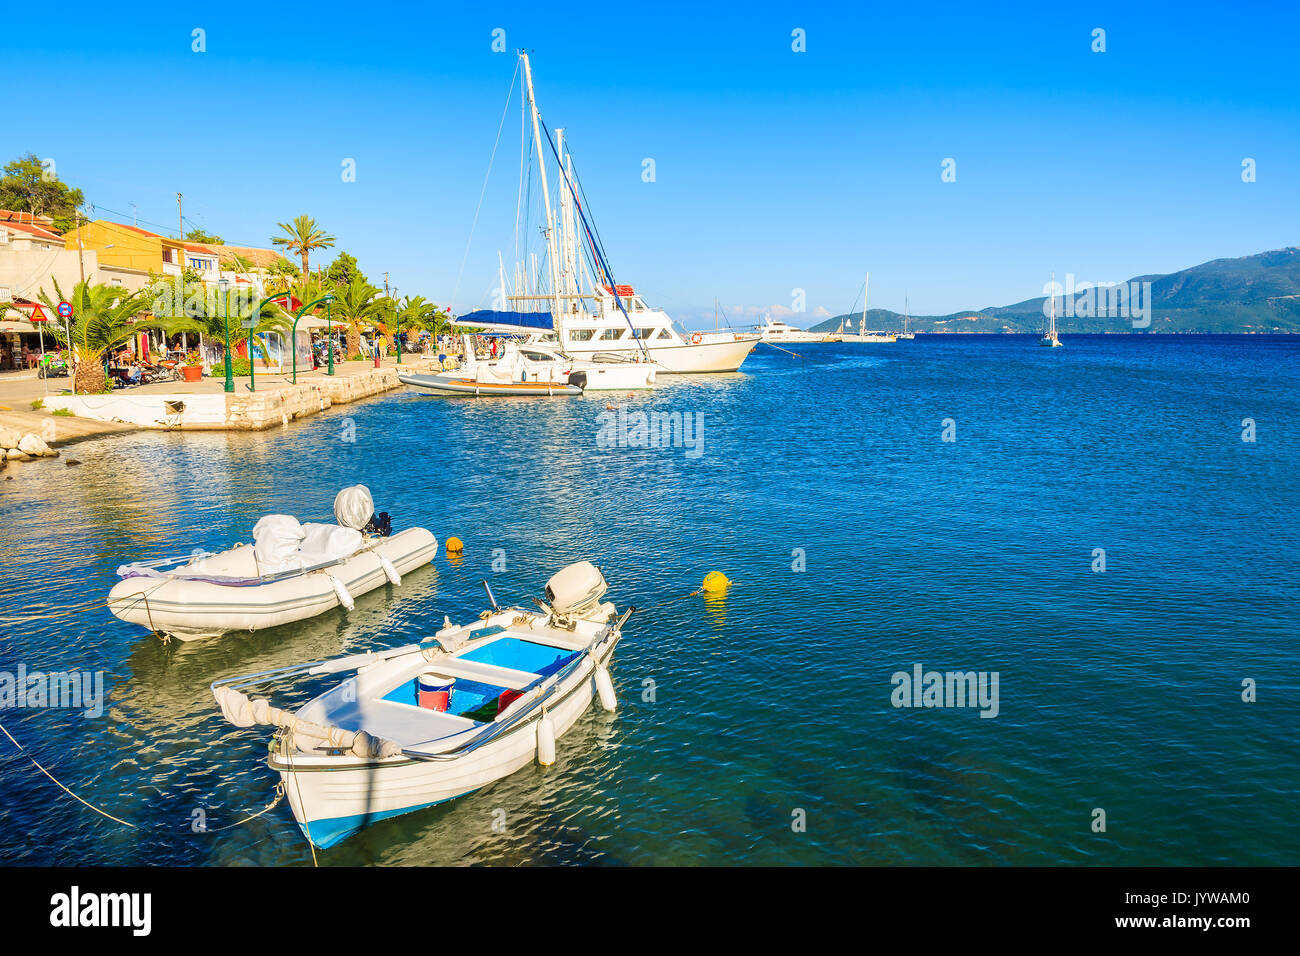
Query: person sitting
[[136, 374]]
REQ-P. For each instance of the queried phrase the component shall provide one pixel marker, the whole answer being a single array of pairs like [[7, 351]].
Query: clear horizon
[[775, 170]]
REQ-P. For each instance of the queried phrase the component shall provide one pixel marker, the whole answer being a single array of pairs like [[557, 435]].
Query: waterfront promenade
[[202, 405]]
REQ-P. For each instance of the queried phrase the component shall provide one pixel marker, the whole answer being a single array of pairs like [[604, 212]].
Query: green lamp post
[[224, 285], [252, 336], [397, 325], [327, 299], [329, 336]]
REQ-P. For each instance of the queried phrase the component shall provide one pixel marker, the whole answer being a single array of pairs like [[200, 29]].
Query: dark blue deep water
[[1118, 690]]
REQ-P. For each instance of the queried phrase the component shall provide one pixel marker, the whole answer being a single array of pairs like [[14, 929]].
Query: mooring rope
[[279, 795]]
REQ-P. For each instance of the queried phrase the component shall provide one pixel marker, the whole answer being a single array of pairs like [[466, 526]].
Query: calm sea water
[[1118, 690]]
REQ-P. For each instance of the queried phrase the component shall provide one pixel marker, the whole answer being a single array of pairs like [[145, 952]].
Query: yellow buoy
[[715, 582], [454, 545]]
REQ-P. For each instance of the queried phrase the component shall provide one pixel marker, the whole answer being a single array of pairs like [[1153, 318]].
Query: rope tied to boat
[[279, 795]]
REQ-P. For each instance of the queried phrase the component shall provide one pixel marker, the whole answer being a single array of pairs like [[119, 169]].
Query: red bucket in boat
[[433, 692]]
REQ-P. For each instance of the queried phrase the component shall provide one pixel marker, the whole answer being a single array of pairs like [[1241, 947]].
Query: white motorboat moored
[[291, 572], [776, 331], [425, 723], [533, 369]]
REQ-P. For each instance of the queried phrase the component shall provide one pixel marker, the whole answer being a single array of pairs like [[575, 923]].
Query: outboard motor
[[575, 591], [579, 379], [354, 508]]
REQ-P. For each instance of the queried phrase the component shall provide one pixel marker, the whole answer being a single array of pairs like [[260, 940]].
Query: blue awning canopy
[[492, 319]]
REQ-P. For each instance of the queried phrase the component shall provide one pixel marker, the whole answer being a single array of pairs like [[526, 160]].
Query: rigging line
[[586, 203], [605, 262], [486, 177], [523, 157]]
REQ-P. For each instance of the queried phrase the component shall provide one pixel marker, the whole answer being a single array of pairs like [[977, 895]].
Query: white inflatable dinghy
[[291, 572]]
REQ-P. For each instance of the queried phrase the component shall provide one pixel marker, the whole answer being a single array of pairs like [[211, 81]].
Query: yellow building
[[129, 247]]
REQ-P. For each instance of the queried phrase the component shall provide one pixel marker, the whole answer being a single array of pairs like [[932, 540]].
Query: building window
[[581, 335]]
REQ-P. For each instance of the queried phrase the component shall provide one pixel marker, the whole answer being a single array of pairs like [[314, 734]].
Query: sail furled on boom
[[500, 319]]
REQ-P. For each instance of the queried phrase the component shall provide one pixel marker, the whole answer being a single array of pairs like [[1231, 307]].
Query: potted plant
[[192, 368]]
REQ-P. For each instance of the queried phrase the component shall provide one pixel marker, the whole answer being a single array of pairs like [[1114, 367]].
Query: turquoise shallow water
[[1118, 690]]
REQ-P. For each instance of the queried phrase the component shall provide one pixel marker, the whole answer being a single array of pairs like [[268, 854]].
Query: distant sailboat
[[1050, 340], [862, 335], [907, 322]]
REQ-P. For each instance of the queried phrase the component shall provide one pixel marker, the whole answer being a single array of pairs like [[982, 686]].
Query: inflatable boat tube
[[184, 605]]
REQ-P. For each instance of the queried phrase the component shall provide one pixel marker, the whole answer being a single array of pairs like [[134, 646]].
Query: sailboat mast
[[571, 229], [1051, 330], [546, 198], [566, 277], [865, 283]]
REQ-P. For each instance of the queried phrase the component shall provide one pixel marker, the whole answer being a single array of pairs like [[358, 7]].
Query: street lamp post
[[329, 336], [327, 299], [397, 325], [224, 285], [252, 330]]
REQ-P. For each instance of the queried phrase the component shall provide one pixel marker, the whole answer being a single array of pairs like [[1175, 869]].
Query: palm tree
[[353, 304], [303, 237], [418, 314], [103, 317]]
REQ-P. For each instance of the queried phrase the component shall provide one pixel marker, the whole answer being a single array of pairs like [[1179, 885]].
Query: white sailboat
[[907, 332], [863, 335], [585, 313], [1049, 339]]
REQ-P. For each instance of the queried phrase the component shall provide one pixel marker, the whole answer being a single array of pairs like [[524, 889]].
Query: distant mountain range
[[1259, 293]]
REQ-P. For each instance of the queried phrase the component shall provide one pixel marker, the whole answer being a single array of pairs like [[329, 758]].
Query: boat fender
[[579, 379], [545, 740], [389, 571], [605, 688], [342, 593]]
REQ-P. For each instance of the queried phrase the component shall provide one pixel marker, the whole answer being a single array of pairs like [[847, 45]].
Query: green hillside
[[1259, 293]]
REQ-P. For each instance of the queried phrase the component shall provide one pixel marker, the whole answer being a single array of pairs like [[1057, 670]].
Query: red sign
[[65, 309], [38, 315]]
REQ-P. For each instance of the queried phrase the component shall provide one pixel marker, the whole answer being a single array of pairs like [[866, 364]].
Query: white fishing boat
[[292, 571], [423, 724], [575, 304], [1049, 338], [864, 334], [532, 369]]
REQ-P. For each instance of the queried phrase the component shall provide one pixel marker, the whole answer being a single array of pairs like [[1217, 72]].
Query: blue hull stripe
[[326, 833]]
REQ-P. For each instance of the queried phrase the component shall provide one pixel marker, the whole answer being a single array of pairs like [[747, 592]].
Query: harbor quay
[[264, 400]]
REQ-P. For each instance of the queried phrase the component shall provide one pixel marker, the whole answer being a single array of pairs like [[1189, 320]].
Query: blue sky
[[774, 170]]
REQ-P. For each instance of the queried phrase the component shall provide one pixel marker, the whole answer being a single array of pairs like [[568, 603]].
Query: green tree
[[27, 186], [417, 314], [303, 236], [104, 317], [355, 304], [236, 263], [344, 269], [198, 235]]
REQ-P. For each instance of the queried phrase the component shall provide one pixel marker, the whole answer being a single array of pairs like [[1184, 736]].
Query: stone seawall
[[276, 404]]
